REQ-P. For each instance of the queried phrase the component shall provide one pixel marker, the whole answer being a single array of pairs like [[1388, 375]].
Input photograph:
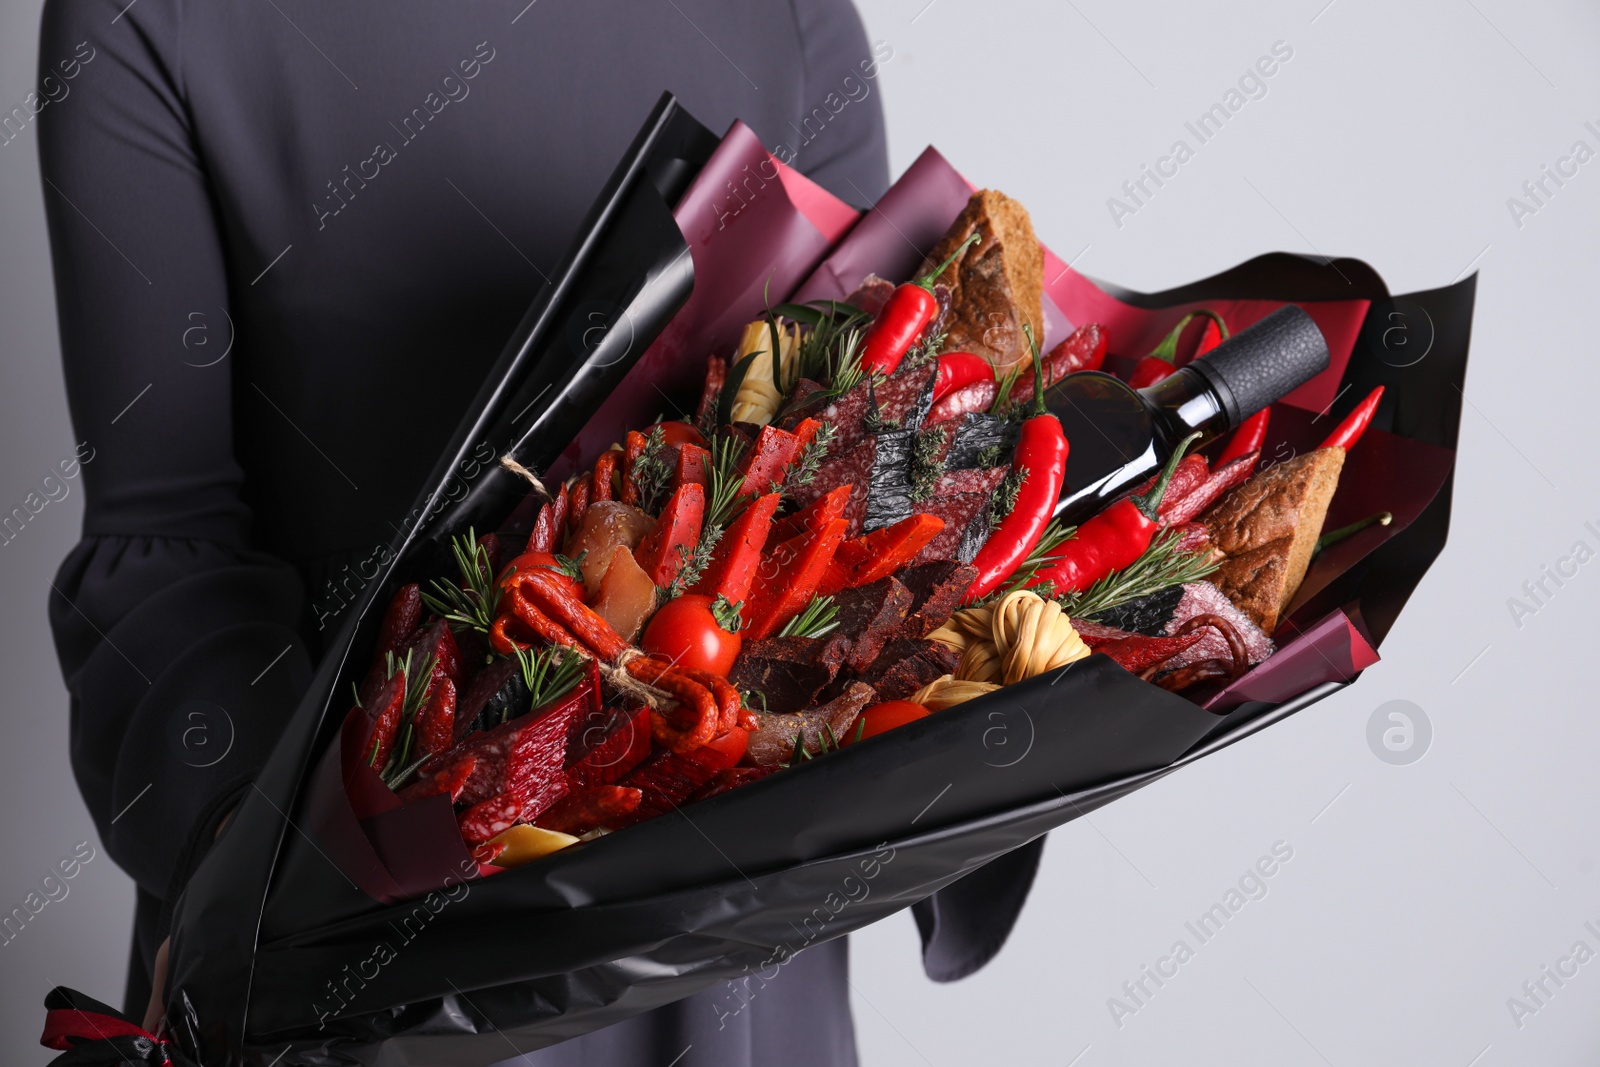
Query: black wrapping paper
[[278, 958]]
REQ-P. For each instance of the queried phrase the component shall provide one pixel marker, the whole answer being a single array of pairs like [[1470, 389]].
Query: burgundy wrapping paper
[[755, 228]]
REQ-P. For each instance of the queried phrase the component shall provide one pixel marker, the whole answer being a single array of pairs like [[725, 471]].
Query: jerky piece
[[959, 512], [889, 485], [980, 440], [786, 671], [970, 480], [906, 665], [936, 591], [773, 741], [868, 615], [905, 397]]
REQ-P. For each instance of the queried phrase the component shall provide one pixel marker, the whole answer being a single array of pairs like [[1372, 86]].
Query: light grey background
[[1419, 897]]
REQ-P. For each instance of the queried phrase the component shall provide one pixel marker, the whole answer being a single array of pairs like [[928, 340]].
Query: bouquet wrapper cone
[[279, 955]]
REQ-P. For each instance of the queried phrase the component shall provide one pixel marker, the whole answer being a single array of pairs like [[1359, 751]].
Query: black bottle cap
[[1261, 365]]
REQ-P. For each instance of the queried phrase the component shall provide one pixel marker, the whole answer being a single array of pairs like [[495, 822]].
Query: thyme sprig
[[651, 472], [1004, 501], [803, 469]]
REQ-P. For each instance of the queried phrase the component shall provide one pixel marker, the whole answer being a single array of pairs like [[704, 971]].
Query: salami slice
[[903, 399], [959, 512], [848, 416], [969, 480], [852, 467]]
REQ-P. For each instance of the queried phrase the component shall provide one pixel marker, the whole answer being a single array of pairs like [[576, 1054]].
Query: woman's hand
[[158, 977]]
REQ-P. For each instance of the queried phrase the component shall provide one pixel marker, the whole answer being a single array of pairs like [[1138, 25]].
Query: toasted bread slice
[[996, 285], [1268, 527]]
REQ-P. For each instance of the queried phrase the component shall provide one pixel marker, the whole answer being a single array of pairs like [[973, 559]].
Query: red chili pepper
[[1041, 459], [906, 314], [1355, 424], [865, 559], [1249, 437], [790, 576], [1190, 476], [958, 369], [1216, 333], [665, 549], [1112, 539], [738, 554], [1161, 363]]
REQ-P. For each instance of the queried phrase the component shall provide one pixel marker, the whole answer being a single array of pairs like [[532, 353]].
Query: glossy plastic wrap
[[278, 957]]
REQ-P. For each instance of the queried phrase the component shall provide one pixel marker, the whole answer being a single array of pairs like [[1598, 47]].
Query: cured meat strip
[[959, 512], [869, 615], [936, 590], [787, 671], [903, 399], [906, 665]]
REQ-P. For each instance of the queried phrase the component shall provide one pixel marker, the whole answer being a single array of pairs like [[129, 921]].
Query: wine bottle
[[1120, 436]]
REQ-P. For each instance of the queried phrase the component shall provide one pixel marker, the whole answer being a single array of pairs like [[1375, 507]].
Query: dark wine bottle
[[1120, 436]]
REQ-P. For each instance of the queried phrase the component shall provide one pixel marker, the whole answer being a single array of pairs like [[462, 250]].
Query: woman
[[289, 238]]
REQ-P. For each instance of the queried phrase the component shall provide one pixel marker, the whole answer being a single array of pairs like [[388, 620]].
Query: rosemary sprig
[[820, 617], [549, 674], [415, 686], [1001, 404], [1162, 565], [826, 741], [650, 471], [844, 368], [724, 502], [474, 602]]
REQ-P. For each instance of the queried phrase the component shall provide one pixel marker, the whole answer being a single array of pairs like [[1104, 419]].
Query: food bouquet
[[788, 548]]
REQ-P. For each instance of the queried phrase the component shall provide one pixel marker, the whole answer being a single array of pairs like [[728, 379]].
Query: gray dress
[[289, 236]]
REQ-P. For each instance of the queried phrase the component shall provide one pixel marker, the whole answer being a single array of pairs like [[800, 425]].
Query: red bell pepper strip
[[790, 576], [737, 557], [666, 548], [632, 449], [1041, 459], [1249, 437], [1112, 539], [764, 465], [1161, 363], [958, 369], [813, 516], [909, 310], [865, 559], [1175, 511], [693, 464], [1348, 432]]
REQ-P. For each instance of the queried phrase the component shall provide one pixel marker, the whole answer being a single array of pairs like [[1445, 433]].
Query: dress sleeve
[[849, 155], [178, 642]]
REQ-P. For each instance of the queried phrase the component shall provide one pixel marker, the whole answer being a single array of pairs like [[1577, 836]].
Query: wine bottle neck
[[1185, 402]]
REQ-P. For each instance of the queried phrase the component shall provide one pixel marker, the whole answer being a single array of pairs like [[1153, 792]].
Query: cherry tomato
[[679, 433], [686, 632], [529, 560], [886, 716]]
